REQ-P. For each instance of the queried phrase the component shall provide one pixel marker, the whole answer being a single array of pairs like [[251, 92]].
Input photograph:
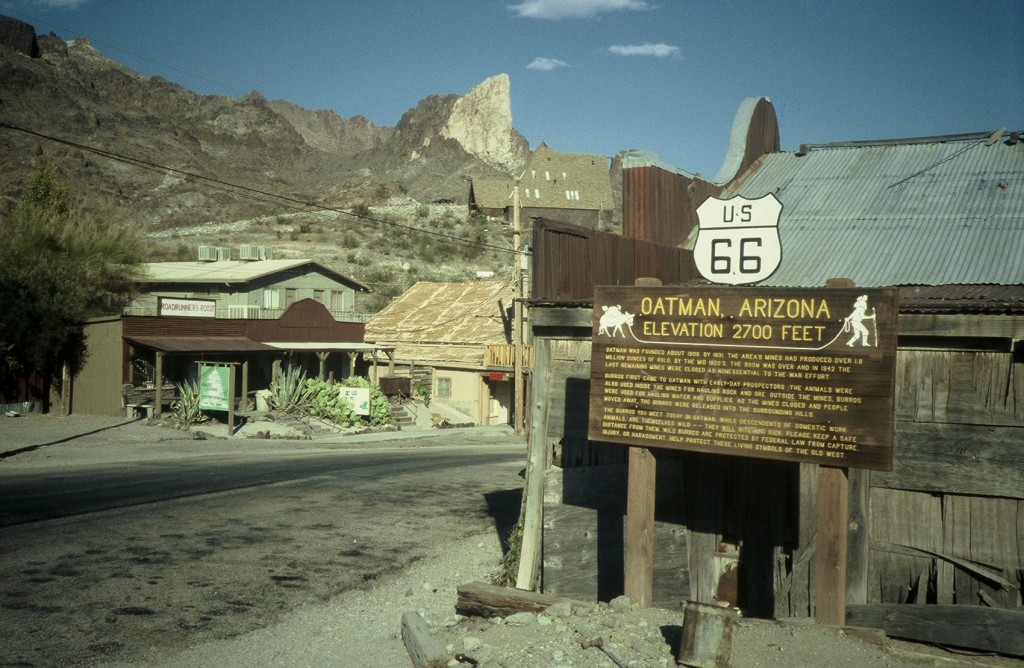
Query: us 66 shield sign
[[738, 239]]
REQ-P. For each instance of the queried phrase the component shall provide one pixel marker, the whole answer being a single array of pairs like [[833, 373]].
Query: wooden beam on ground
[[486, 600], [639, 580], [424, 650], [830, 571], [969, 626]]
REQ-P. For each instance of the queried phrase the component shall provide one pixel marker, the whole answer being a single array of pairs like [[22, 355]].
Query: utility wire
[[253, 193]]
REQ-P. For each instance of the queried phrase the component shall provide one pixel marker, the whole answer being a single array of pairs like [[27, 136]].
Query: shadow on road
[[31, 448], [504, 507]]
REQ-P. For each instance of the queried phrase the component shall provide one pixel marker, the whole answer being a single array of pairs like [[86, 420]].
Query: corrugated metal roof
[[444, 323], [233, 271], [920, 213], [445, 313]]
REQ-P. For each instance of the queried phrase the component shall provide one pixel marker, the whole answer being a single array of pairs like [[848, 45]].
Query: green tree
[[58, 266]]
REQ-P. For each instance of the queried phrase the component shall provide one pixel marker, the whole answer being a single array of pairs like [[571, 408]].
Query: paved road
[[101, 562]]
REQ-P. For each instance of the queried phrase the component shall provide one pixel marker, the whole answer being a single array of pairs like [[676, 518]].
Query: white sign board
[[738, 239], [189, 308], [359, 397]]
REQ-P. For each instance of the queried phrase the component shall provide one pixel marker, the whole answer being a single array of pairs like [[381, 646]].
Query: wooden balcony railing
[[504, 354]]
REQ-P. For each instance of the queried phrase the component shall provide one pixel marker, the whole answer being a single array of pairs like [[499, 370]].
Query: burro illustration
[[612, 320]]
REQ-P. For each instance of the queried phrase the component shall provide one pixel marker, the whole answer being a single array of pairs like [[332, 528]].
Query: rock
[[620, 604], [520, 619], [18, 35], [482, 123], [560, 609]]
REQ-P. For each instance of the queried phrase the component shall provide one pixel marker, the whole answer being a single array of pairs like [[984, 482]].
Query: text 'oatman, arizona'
[[799, 374]]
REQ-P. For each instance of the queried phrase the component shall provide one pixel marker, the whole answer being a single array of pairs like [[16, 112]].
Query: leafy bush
[[185, 410], [424, 393], [322, 399], [289, 393]]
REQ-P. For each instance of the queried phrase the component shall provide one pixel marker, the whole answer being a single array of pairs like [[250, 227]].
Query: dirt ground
[[363, 627]]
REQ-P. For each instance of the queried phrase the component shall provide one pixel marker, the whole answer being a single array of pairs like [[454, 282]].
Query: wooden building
[[454, 338], [936, 545], [572, 188], [256, 311]]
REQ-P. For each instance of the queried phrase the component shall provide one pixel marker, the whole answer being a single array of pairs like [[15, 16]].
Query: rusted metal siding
[[569, 261], [659, 204]]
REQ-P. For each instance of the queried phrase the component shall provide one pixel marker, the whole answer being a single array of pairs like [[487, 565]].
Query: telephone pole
[[517, 316]]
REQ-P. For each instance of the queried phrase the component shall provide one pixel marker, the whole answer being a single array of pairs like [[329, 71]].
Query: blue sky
[[591, 76]]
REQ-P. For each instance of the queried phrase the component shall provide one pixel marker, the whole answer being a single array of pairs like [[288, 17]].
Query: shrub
[[185, 410]]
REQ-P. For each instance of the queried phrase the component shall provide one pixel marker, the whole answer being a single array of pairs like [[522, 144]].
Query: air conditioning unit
[[223, 253], [249, 252], [252, 252], [207, 253], [244, 311]]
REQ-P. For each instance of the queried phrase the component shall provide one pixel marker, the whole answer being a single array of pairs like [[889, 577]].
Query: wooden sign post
[[800, 375]]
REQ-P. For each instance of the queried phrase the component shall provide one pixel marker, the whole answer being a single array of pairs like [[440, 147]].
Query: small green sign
[[214, 388]]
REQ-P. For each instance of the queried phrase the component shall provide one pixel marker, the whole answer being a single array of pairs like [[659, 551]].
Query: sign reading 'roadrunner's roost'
[[794, 374]]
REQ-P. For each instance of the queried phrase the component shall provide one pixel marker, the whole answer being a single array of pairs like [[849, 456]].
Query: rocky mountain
[[114, 133]]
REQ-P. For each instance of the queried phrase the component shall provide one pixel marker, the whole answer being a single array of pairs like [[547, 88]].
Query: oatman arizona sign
[[798, 374], [781, 373]]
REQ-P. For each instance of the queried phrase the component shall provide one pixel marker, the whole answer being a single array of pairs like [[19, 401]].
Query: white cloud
[[545, 64], [61, 4], [575, 9], [645, 49]]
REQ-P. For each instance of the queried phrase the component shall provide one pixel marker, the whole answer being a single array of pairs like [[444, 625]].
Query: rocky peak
[[18, 35], [482, 122]]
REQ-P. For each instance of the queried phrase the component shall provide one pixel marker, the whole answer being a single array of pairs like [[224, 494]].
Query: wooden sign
[[214, 387], [781, 373]]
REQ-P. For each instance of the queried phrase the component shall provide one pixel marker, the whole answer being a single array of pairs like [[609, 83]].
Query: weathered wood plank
[[801, 588], [858, 541], [424, 650], [994, 542], [582, 318], [962, 325], [830, 561], [584, 532], [956, 459], [705, 485], [957, 542], [906, 518], [958, 386], [972, 627], [487, 600], [643, 470]]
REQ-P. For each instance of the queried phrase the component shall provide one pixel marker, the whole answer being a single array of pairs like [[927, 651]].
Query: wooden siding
[[945, 526], [660, 206], [96, 390], [569, 261], [504, 355]]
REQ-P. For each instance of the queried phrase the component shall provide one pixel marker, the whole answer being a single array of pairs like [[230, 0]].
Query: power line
[[252, 193]]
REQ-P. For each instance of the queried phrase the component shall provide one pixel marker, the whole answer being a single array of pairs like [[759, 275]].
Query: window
[[337, 300], [318, 295], [271, 298], [444, 388]]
